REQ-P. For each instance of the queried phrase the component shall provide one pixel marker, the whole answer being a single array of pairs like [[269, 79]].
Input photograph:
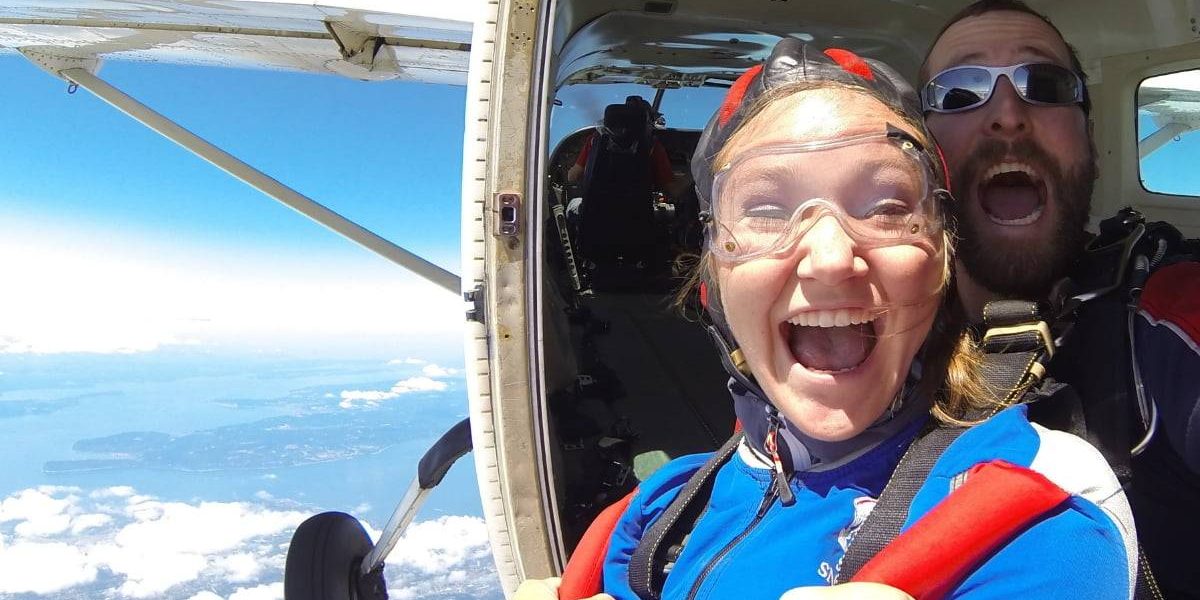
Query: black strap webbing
[[884, 523], [647, 565], [1145, 585], [1015, 344]]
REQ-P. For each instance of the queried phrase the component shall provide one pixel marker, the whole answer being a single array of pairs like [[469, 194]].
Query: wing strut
[[1159, 138], [259, 180]]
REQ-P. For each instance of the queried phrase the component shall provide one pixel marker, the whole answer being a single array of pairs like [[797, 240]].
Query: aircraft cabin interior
[[630, 379]]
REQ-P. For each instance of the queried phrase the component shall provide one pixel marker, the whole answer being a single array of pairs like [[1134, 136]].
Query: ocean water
[[202, 465]]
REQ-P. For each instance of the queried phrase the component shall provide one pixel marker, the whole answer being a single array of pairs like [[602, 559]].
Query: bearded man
[[1006, 98]]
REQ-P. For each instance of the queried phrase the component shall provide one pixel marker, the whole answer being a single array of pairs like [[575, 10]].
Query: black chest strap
[[891, 511], [661, 544]]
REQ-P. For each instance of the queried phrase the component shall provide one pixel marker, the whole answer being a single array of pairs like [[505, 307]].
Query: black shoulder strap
[[1145, 585], [648, 566], [891, 511], [886, 519], [1016, 345]]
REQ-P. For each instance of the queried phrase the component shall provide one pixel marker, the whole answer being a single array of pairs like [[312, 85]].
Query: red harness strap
[[584, 574], [997, 502]]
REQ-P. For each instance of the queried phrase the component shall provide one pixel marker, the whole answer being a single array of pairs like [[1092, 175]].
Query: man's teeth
[[1025, 220], [1010, 167], [832, 318]]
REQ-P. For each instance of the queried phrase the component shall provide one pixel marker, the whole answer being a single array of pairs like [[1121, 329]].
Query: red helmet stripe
[[851, 63], [736, 93]]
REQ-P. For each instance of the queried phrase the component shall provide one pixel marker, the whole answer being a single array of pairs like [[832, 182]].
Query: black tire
[[324, 557]]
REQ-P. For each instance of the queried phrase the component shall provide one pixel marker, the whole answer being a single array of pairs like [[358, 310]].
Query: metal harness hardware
[[1017, 343]]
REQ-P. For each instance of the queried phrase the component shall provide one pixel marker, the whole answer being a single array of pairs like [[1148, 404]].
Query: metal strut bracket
[[80, 71], [356, 47]]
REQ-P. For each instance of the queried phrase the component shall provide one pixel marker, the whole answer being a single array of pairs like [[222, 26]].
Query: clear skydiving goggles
[[969, 86], [879, 186]]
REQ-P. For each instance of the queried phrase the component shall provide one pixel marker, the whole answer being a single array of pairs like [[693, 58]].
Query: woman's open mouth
[[1012, 194], [831, 341]]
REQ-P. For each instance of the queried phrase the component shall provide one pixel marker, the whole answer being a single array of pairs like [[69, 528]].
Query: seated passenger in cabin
[[623, 166], [626, 135], [826, 269]]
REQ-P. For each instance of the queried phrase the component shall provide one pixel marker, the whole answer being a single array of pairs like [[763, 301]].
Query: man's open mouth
[[831, 341], [1013, 194]]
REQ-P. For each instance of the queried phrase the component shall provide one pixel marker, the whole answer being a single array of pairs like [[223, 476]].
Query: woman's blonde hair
[[951, 360]]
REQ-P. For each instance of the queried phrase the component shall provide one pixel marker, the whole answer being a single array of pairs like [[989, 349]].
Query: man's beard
[[1016, 270]]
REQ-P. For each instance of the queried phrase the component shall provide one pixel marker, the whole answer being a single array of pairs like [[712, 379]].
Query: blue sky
[[94, 206], [113, 241]]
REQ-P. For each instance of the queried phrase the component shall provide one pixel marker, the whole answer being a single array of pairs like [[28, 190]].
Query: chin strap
[[735, 364]]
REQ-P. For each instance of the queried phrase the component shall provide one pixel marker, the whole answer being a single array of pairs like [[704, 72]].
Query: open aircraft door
[[502, 146], [505, 141], [331, 556]]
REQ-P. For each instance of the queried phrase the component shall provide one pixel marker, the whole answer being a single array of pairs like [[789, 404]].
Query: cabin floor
[[649, 388]]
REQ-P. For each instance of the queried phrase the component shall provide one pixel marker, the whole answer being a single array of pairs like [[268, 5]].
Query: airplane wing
[[1172, 102], [362, 39]]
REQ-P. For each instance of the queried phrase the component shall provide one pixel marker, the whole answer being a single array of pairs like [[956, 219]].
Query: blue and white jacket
[[1086, 548]]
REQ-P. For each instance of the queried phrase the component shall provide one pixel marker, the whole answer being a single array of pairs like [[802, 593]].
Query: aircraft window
[[690, 108], [583, 106], [1168, 116]]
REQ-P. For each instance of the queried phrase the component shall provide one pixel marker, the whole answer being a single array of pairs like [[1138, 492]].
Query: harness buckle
[[1005, 336], [1120, 235]]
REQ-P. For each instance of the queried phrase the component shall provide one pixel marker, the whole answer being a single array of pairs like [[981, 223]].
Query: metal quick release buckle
[[1040, 328], [1006, 336]]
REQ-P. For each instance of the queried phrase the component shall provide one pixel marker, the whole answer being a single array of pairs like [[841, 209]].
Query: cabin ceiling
[[608, 41]]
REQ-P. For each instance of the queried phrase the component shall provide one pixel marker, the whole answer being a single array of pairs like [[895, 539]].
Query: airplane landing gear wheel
[[324, 558]]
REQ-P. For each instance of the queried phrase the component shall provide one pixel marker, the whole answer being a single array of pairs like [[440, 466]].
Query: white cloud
[[168, 544], [406, 361], [374, 396], [83, 523], [43, 567], [145, 547], [40, 511], [435, 546], [116, 491], [435, 371], [143, 299], [151, 545], [273, 591], [206, 595], [240, 567], [404, 386]]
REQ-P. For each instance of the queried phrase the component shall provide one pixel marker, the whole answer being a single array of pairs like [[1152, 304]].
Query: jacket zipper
[[777, 488], [763, 507]]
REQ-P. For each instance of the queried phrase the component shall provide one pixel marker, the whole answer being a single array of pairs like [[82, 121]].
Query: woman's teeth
[[831, 341], [832, 318]]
